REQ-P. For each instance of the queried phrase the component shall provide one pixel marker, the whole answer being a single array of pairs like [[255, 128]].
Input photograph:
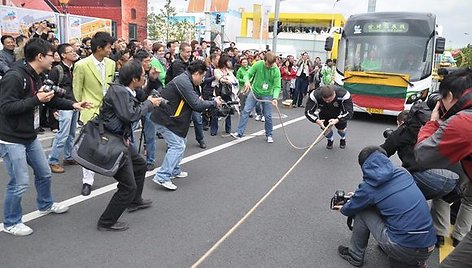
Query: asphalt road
[[293, 227]]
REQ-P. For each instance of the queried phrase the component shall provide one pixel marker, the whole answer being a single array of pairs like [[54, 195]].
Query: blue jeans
[[150, 139], [16, 158], [301, 88], [214, 124], [198, 125], [175, 151], [435, 183], [64, 139], [266, 111]]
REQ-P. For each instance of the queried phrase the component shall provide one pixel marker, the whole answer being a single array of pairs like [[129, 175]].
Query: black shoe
[[117, 227], [439, 240], [342, 144], [344, 253], [455, 242], [329, 146], [150, 167], [202, 144], [159, 136], [86, 189], [206, 128], [145, 203]]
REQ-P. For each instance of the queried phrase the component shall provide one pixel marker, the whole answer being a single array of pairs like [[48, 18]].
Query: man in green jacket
[[264, 79]]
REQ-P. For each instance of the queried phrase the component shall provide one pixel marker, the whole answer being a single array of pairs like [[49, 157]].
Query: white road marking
[[105, 189]]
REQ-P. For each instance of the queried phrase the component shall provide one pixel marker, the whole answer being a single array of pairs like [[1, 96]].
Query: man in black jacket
[[173, 120], [21, 94], [330, 104], [7, 58], [119, 110]]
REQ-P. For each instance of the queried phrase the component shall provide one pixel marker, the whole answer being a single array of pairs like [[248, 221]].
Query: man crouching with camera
[[21, 94], [388, 204], [173, 120]]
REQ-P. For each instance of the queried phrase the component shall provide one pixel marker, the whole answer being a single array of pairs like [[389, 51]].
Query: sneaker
[[150, 167], [167, 184], [19, 229], [70, 162], [455, 242], [270, 139], [263, 119], [235, 135], [182, 174], [344, 253], [329, 146], [56, 168], [56, 208], [342, 144], [258, 117]]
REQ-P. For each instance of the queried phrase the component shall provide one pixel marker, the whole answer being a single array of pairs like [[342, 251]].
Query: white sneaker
[[167, 184], [235, 135], [270, 139], [55, 208], [263, 119], [182, 174], [19, 229], [258, 117]]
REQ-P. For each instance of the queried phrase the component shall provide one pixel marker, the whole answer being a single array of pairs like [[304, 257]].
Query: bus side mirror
[[329, 43], [440, 45]]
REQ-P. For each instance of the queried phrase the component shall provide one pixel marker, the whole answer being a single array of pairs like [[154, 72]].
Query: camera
[[432, 99], [50, 86], [50, 24], [227, 108], [387, 133], [339, 199], [156, 94]]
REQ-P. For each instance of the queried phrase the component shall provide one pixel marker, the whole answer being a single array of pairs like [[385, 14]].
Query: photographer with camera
[[44, 27], [21, 94], [445, 141], [119, 110], [388, 205], [173, 120], [330, 104], [61, 75]]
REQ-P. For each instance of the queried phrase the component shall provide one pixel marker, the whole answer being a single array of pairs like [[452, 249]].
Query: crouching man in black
[[330, 104], [119, 110], [388, 205]]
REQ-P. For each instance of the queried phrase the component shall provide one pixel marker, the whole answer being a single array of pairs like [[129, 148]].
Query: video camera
[[50, 86], [339, 199], [50, 24], [227, 108]]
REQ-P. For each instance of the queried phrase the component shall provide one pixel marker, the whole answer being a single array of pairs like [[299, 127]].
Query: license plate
[[375, 110]]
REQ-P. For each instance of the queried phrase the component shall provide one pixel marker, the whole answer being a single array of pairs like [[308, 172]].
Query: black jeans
[[130, 179]]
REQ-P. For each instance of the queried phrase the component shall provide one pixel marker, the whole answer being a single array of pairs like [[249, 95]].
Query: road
[[293, 227]]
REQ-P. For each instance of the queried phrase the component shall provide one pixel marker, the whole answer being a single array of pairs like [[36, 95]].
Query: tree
[[464, 58], [164, 27]]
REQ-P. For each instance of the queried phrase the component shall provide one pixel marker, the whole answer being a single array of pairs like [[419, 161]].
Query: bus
[[386, 59]]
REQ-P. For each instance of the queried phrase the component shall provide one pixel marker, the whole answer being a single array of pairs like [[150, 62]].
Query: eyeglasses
[[51, 55], [68, 52]]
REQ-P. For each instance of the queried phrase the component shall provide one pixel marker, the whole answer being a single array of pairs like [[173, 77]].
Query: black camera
[[50, 86], [387, 133], [433, 99], [50, 25], [156, 94], [226, 108], [339, 199]]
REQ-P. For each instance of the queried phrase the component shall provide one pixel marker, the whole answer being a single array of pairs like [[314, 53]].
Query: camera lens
[[433, 98]]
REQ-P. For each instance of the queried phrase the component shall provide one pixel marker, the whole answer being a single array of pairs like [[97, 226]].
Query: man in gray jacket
[[7, 58]]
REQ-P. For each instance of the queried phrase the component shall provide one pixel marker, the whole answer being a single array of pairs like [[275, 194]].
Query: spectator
[[242, 71], [7, 57], [304, 66], [388, 205], [288, 73], [209, 85], [20, 44]]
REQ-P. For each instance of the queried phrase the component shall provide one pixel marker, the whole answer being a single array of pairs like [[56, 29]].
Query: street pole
[[276, 22], [207, 21], [222, 35]]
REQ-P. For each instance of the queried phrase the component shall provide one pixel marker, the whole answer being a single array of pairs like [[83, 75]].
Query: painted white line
[[105, 189]]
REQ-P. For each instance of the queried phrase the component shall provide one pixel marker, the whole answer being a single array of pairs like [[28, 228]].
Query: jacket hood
[[377, 169]]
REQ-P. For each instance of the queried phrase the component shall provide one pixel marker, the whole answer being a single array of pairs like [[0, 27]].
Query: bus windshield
[[400, 54]]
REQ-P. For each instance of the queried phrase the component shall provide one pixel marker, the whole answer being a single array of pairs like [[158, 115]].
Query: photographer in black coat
[[173, 120], [119, 110]]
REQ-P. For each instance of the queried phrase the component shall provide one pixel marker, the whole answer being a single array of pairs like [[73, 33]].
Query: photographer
[[21, 94], [119, 110], [388, 204], [173, 120], [445, 141], [330, 104], [61, 75]]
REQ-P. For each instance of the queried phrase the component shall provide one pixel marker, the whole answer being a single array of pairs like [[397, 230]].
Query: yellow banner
[[265, 22], [256, 22]]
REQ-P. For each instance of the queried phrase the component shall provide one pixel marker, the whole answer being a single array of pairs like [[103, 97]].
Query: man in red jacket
[[445, 141]]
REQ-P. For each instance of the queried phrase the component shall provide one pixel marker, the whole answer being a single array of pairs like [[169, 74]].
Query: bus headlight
[[418, 96]]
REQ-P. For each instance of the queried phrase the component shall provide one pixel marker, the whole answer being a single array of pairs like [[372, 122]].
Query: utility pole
[[372, 4], [207, 21], [276, 23]]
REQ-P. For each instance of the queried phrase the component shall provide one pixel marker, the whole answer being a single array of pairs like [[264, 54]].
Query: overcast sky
[[453, 15]]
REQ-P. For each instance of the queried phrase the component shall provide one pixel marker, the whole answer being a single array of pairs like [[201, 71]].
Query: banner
[[16, 21], [256, 22], [265, 22], [74, 27]]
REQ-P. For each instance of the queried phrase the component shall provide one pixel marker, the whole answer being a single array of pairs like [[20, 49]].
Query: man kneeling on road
[[173, 120], [389, 205], [330, 104]]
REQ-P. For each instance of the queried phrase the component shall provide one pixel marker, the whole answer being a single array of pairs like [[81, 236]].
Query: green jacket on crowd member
[[155, 63], [242, 71], [264, 81]]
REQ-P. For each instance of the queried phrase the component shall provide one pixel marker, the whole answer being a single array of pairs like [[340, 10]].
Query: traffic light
[[218, 18]]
